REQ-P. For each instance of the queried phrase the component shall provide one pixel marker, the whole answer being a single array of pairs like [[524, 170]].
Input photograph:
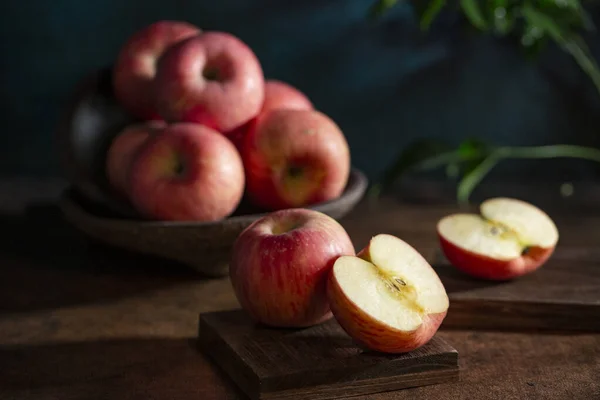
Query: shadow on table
[[149, 368], [45, 263], [454, 280]]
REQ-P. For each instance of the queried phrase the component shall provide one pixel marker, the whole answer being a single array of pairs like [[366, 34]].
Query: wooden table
[[80, 321]]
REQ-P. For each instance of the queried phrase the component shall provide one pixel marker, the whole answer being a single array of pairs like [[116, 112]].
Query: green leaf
[[577, 47], [380, 7], [472, 146], [429, 14], [473, 152], [452, 170], [571, 43], [473, 12], [539, 20], [504, 19]]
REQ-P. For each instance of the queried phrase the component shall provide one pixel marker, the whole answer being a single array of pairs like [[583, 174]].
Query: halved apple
[[388, 298], [509, 239]]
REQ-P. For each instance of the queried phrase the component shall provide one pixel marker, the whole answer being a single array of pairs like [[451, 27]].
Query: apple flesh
[[388, 298], [188, 172], [280, 264], [295, 158], [135, 68], [213, 79], [509, 239], [122, 150], [278, 95]]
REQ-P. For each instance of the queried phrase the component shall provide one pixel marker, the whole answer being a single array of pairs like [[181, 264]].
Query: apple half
[[387, 298], [509, 239]]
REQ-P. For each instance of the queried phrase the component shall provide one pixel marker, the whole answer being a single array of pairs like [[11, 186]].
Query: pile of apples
[[297, 268], [212, 130]]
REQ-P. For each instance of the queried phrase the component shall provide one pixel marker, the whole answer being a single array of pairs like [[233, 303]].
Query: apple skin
[[483, 267], [281, 279], [122, 150], [295, 158], [213, 79], [372, 334], [188, 172], [135, 68], [278, 95]]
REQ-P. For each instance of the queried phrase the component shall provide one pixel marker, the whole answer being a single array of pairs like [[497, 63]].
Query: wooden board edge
[[445, 357], [372, 386], [521, 316], [217, 349]]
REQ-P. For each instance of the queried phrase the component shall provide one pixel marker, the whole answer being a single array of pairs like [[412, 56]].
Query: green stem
[[579, 51], [446, 158], [553, 151], [468, 183]]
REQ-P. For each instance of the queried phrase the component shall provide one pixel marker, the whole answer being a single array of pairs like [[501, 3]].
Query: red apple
[[295, 158], [188, 172], [122, 150], [278, 95], [388, 298], [280, 264], [135, 68], [213, 79], [509, 239]]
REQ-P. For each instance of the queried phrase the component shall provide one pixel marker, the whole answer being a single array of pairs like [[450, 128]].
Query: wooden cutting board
[[316, 363], [564, 294]]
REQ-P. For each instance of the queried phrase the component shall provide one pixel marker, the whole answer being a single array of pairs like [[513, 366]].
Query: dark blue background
[[385, 83]]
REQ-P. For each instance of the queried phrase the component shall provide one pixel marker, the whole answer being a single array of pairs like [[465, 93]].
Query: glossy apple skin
[[482, 267], [306, 141], [122, 150], [373, 335], [135, 67], [278, 95], [281, 279], [224, 102], [188, 172]]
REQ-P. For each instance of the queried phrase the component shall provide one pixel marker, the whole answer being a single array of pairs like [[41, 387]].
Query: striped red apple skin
[[280, 265]]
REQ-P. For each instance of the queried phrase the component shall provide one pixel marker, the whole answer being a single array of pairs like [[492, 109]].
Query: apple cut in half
[[388, 298], [509, 239]]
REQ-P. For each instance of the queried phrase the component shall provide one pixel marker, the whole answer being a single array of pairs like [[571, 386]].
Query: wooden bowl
[[203, 246]]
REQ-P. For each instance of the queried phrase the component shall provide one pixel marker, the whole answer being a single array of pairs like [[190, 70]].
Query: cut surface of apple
[[510, 238], [388, 298]]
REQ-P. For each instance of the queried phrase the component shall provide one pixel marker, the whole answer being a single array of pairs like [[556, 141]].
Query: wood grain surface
[[562, 295], [320, 362], [86, 322]]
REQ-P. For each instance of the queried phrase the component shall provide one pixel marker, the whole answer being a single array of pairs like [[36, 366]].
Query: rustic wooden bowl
[[203, 246]]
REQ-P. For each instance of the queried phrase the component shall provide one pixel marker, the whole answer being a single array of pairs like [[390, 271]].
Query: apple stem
[[294, 171]]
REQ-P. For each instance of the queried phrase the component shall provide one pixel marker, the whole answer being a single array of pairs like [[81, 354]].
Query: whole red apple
[[188, 172], [122, 150], [135, 68], [280, 264], [295, 158], [213, 79], [278, 95]]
